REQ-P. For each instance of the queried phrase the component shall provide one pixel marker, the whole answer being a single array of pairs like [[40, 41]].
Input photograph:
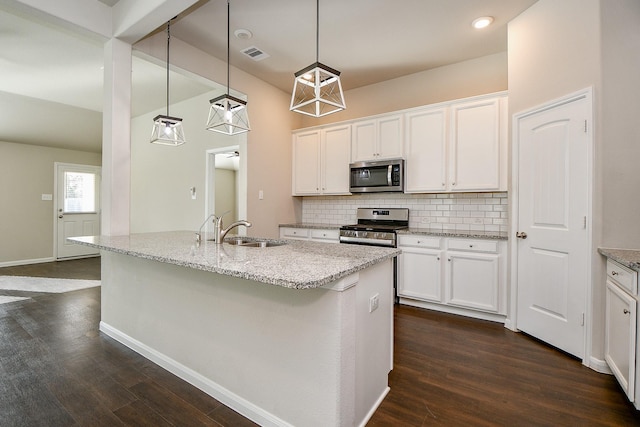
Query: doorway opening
[[225, 190]]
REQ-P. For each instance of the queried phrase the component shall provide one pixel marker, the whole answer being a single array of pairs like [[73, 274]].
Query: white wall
[[268, 147], [620, 105], [556, 48], [27, 221], [225, 194], [478, 76]]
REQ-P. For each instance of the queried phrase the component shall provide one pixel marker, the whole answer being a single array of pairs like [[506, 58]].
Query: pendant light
[[317, 90], [167, 130], [227, 113]]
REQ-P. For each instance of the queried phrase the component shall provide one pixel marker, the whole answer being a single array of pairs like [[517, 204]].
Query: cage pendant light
[[317, 90], [227, 113], [167, 130]]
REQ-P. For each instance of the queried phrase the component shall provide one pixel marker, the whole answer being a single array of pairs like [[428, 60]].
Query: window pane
[[79, 192]]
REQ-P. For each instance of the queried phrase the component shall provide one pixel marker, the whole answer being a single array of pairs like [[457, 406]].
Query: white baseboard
[[375, 407], [454, 310], [599, 365], [226, 397], [25, 262]]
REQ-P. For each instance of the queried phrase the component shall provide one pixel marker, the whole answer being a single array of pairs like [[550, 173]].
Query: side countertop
[[295, 264], [312, 226], [493, 235], [627, 257]]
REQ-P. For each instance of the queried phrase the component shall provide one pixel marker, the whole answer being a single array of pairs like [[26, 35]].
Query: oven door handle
[[365, 241]]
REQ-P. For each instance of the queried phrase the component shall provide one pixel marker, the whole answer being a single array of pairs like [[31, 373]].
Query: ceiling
[[51, 74]]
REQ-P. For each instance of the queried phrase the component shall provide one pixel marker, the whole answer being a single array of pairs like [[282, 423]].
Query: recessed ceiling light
[[482, 22], [241, 33]]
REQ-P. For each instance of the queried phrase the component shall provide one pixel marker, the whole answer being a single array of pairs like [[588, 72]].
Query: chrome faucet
[[199, 233], [220, 232]]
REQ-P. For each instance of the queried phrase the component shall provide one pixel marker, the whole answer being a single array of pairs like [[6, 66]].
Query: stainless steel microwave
[[378, 176]]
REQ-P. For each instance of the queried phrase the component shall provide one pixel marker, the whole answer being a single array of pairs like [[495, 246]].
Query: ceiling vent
[[255, 53]]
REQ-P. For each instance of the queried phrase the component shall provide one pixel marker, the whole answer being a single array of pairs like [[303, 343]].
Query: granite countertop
[[627, 257], [314, 226], [296, 264], [494, 235]]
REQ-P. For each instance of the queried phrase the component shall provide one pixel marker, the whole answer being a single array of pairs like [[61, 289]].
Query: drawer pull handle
[[625, 311], [614, 273], [470, 246]]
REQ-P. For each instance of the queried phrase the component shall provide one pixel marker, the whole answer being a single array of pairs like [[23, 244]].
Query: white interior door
[[553, 199], [77, 208]]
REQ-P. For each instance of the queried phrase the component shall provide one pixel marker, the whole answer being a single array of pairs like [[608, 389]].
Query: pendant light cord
[[168, 41], [228, 42], [317, 30]]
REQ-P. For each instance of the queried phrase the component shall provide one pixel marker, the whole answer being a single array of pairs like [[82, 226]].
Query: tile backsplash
[[448, 211]]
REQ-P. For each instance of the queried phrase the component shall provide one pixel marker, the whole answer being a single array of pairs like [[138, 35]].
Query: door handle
[[521, 235], [60, 216]]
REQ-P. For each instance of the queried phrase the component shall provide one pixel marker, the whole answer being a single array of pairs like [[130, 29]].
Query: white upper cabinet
[[426, 150], [321, 161], [459, 146], [377, 139], [476, 146]]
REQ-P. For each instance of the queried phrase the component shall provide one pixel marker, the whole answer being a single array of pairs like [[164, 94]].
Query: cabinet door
[[336, 146], [425, 151], [306, 163], [420, 275], [389, 137], [620, 336], [475, 146], [473, 280], [363, 141]]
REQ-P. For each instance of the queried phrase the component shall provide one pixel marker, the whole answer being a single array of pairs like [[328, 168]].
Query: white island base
[[279, 356]]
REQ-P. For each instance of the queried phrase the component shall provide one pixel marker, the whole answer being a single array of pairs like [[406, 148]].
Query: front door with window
[[77, 208]]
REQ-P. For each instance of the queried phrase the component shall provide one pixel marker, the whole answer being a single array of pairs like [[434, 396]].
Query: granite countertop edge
[[312, 226], [287, 277], [628, 257], [493, 235]]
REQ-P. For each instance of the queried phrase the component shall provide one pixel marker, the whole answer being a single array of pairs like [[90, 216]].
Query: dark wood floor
[[56, 369]]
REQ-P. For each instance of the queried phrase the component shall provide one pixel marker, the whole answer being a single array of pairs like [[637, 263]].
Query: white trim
[[226, 397], [475, 314], [586, 94], [599, 365], [375, 406], [26, 262]]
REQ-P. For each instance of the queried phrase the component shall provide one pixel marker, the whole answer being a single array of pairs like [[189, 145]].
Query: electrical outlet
[[373, 302]]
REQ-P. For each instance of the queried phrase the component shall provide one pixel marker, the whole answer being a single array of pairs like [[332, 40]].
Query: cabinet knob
[[453, 183], [614, 273], [470, 246], [438, 259], [625, 311], [449, 259]]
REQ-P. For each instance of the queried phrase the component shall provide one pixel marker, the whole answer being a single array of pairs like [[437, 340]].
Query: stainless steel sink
[[253, 243]]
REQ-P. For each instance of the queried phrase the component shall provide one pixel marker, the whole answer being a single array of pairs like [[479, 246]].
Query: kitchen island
[[289, 335]]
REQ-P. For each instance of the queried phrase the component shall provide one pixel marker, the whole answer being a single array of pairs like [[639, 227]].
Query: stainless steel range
[[375, 227]]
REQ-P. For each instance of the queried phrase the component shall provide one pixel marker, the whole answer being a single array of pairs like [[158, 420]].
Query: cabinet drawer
[[294, 233], [332, 235], [623, 276], [419, 241], [473, 245]]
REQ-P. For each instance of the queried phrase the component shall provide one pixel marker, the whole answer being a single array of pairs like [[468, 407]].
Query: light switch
[[47, 197], [260, 195]]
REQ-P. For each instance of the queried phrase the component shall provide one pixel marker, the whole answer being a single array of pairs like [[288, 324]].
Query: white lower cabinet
[[420, 268], [315, 234], [621, 326], [462, 276]]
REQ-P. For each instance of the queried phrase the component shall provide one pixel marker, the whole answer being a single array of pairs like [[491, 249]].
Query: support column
[[116, 139]]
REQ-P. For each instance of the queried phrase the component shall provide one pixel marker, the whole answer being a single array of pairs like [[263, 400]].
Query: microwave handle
[[389, 169]]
